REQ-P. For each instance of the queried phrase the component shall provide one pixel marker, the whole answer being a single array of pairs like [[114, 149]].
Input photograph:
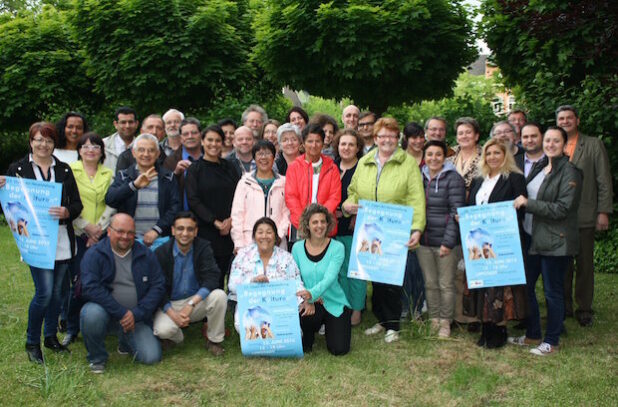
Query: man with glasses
[[172, 119], [123, 284], [506, 133], [191, 281], [126, 125], [146, 191], [435, 129], [190, 150], [366, 120]]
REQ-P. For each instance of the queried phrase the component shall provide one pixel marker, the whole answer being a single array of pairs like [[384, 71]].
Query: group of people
[[155, 225]]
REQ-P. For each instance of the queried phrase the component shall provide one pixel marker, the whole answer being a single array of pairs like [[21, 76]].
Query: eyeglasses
[[366, 124], [263, 154], [385, 136], [43, 140], [128, 233], [91, 147], [142, 150], [503, 133]]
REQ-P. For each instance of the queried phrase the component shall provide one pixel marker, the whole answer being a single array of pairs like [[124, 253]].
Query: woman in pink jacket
[[258, 194]]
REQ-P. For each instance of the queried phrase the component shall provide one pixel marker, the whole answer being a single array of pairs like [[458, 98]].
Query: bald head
[[121, 233], [243, 143], [349, 117]]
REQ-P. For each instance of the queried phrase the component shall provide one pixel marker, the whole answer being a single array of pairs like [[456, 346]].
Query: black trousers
[[223, 262], [338, 330], [386, 304]]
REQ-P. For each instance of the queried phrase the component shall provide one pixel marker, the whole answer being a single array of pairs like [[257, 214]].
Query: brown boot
[[215, 348]]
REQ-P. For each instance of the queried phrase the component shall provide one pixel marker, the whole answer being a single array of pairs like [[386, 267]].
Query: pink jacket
[[249, 206]]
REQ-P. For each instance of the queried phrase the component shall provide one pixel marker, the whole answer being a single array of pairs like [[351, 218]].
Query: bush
[[13, 145], [606, 248]]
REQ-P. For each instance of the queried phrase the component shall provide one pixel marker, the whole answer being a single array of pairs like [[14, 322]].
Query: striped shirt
[[147, 209]]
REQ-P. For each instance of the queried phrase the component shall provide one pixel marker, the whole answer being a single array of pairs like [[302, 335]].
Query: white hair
[[288, 128], [145, 136], [172, 111]]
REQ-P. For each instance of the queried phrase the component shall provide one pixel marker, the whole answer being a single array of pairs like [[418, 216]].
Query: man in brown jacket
[[590, 156]]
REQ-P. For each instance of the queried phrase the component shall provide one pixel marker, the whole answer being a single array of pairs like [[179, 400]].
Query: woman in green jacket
[[553, 201], [388, 175], [319, 259], [93, 179]]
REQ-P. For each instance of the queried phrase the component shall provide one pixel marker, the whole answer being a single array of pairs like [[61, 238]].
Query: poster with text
[[379, 250], [26, 204], [269, 320], [491, 245]]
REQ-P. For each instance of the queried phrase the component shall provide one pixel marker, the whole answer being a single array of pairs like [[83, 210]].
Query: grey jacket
[[443, 195], [554, 222], [590, 156]]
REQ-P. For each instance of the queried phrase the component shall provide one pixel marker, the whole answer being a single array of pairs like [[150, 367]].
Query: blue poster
[[379, 250], [269, 320], [26, 204], [491, 245]]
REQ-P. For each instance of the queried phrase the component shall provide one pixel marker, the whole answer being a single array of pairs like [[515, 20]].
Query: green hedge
[[606, 248]]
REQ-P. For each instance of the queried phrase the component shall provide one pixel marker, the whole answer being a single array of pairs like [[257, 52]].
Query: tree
[[41, 70], [153, 55], [378, 53], [472, 96], [556, 52]]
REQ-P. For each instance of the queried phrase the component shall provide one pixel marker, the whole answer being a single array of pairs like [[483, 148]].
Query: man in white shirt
[[126, 125]]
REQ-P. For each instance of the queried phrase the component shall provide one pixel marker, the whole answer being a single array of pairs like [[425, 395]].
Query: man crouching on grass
[[123, 284], [191, 281]]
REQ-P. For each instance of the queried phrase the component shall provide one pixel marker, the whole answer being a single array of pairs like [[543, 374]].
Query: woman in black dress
[[210, 184]]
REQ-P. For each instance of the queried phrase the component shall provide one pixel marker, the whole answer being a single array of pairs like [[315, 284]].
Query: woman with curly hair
[[319, 259]]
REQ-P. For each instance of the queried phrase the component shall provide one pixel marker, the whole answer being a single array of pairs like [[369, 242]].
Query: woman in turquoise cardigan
[[319, 259]]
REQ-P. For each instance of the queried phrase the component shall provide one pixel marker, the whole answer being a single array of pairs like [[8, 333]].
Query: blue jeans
[[553, 270], [413, 285], [96, 324], [45, 305]]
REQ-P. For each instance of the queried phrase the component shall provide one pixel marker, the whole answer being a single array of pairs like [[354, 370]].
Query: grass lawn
[[418, 370]]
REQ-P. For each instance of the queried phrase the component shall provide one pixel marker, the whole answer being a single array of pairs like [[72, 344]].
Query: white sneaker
[[391, 336], [544, 349], [322, 330], [376, 329]]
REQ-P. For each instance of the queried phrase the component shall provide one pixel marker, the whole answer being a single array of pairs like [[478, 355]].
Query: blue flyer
[[379, 250], [26, 204], [269, 320], [491, 245]]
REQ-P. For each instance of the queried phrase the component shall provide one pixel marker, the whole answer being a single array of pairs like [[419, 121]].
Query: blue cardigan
[[98, 270], [321, 278]]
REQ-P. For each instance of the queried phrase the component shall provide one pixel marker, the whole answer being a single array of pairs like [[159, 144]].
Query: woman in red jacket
[[312, 178]]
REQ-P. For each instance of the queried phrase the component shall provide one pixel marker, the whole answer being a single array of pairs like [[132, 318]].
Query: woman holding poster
[[41, 165], [553, 200], [319, 259], [263, 261], [388, 175], [499, 180]]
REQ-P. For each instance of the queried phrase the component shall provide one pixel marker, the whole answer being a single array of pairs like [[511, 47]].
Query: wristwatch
[[191, 303]]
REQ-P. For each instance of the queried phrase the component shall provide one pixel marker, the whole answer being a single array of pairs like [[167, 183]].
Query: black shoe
[[51, 342], [69, 339], [497, 337], [62, 326], [474, 327], [482, 342], [585, 320], [34, 353]]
